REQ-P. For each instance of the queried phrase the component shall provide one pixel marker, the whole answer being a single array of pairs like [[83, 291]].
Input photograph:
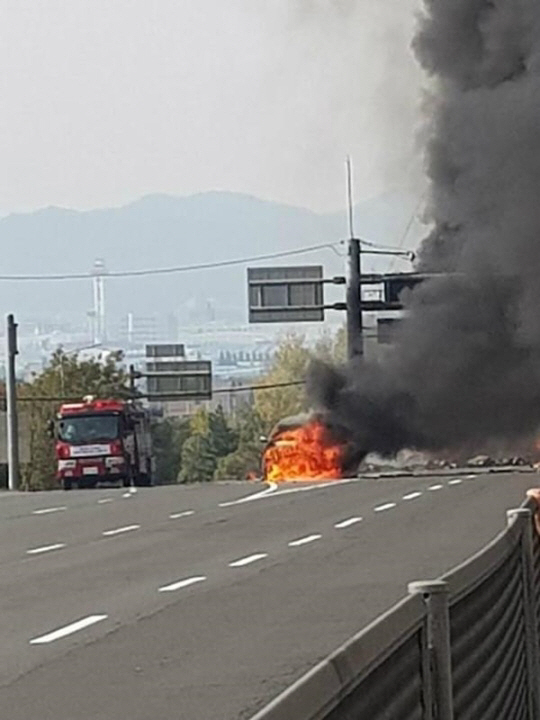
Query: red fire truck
[[103, 440]]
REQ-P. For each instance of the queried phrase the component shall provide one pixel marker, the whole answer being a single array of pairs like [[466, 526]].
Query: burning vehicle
[[305, 447]]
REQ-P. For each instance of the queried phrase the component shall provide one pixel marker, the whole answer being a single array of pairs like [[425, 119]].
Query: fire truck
[[103, 440]]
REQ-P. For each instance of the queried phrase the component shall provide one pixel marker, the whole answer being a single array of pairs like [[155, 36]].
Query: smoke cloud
[[341, 71], [465, 369]]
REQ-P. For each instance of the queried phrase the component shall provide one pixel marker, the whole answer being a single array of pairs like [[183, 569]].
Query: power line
[[219, 391], [173, 269], [408, 227], [243, 388], [379, 249]]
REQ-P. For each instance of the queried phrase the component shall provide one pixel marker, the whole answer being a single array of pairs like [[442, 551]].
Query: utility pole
[[132, 378], [355, 338], [11, 398]]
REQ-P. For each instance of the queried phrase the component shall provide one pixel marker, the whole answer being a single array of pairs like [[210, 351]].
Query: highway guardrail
[[462, 647]]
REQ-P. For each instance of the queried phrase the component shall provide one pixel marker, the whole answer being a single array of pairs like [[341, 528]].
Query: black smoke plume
[[465, 369]]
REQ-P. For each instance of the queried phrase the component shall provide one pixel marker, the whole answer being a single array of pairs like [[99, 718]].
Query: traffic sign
[[165, 351], [286, 294], [398, 284], [179, 380]]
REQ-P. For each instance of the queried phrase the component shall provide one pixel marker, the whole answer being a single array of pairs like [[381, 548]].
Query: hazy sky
[[106, 100]]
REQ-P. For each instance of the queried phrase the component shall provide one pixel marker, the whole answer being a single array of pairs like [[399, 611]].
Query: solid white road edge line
[[274, 492], [248, 560], [45, 548], [386, 506], [186, 513], [118, 531], [272, 487], [46, 511], [304, 540], [412, 496], [68, 629], [317, 486], [182, 584], [347, 523]]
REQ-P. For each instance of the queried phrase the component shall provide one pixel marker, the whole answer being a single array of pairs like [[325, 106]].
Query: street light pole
[[355, 339]]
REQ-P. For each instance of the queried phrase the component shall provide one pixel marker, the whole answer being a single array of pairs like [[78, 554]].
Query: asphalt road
[[190, 602]]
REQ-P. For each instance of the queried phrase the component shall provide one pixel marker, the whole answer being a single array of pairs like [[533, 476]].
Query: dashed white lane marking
[[45, 548], [186, 513], [304, 540], [471, 477], [412, 496], [46, 511], [248, 560], [104, 500], [435, 487], [457, 481], [68, 629], [272, 487], [182, 584], [386, 506], [347, 523], [119, 531]]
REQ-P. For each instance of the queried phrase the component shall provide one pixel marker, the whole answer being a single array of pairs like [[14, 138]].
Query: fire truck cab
[[103, 440]]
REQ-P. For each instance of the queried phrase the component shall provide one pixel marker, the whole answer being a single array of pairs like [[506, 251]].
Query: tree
[[245, 461], [198, 459], [289, 365], [211, 439], [65, 377], [68, 376], [332, 347], [168, 438], [223, 438], [339, 349]]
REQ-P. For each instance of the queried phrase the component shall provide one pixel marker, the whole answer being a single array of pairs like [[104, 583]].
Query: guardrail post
[[524, 517], [436, 594]]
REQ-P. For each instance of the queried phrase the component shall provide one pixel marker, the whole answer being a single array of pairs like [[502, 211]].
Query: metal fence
[[464, 647]]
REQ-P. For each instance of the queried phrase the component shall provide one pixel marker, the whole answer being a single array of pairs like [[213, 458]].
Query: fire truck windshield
[[88, 428]]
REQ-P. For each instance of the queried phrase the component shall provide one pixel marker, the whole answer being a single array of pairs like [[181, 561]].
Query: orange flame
[[304, 452]]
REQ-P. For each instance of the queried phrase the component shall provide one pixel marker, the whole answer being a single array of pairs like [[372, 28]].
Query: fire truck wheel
[[67, 484]]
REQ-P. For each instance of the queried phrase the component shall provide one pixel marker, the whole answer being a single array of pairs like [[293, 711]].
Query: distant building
[[138, 330]]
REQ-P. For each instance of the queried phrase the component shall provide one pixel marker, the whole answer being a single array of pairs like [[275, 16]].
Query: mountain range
[[159, 231]]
